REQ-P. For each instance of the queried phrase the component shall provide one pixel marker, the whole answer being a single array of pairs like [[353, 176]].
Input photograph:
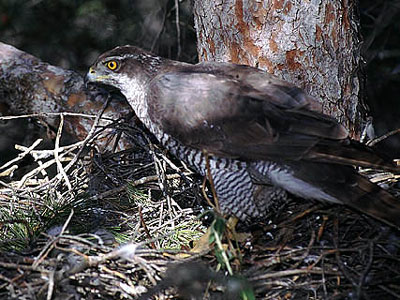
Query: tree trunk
[[313, 44]]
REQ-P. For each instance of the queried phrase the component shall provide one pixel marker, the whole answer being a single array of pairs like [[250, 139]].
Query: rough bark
[[30, 86], [313, 44]]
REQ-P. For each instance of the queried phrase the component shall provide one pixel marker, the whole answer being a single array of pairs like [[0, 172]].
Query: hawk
[[263, 137]]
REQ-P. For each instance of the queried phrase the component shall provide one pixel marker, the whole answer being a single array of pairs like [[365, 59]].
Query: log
[[31, 86]]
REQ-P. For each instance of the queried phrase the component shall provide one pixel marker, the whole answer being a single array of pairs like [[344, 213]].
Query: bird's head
[[126, 68]]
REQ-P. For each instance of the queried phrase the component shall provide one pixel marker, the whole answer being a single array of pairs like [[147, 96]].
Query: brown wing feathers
[[211, 112]]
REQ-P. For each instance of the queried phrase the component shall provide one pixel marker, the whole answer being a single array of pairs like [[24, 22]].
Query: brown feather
[[213, 112]]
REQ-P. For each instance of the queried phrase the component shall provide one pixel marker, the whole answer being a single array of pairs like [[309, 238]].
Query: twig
[[46, 115], [89, 135], [41, 154], [382, 137], [19, 266], [146, 230], [56, 156], [384, 288], [293, 272], [22, 155], [307, 251], [66, 223], [338, 257], [133, 183], [178, 29], [50, 289], [210, 179], [175, 168], [367, 268], [203, 190], [37, 170], [50, 245], [153, 45]]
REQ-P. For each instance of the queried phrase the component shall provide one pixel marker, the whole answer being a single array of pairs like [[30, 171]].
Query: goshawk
[[263, 136]]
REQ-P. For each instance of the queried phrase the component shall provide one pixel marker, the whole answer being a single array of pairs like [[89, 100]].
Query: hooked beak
[[93, 77], [90, 76]]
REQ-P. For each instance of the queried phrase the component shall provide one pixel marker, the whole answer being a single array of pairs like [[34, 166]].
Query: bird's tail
[[343, 184], [369, 198]]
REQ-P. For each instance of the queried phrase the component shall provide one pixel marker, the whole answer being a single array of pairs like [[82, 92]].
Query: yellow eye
[[112, 65]]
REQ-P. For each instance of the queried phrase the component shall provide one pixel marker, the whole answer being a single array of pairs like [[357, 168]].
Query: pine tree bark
[[313, 44]]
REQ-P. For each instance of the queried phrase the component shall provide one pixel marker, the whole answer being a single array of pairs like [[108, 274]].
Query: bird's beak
[[90, 76]]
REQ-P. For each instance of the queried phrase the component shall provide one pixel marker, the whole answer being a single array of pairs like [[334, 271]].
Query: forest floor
[[79, 224]]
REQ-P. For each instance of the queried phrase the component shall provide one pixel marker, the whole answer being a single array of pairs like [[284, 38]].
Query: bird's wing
[[227, 116], [264, 85]]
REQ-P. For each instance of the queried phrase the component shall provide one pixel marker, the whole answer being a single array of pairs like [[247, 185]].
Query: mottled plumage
[[264, 136]]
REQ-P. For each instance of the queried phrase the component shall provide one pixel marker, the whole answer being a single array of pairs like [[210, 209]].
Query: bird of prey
[[262, 136]]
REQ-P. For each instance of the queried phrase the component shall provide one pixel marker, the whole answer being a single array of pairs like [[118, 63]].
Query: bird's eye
[[112, 65]]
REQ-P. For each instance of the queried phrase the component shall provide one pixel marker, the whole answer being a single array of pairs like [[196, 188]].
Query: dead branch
[[30, 86]]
